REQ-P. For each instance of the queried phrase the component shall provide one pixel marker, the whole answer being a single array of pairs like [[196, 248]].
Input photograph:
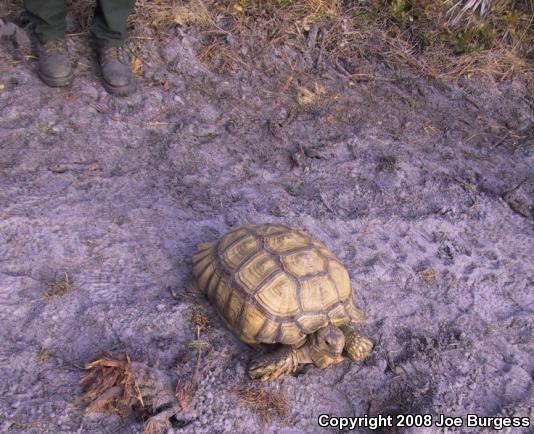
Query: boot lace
[[114, 53]]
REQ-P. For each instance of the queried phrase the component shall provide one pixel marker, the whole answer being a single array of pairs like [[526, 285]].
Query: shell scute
[[256, 270], [304, 263], [238, 251], [290, 333], [318, 294], [279, 296], [252, 322], [286, 242], [341, 279]]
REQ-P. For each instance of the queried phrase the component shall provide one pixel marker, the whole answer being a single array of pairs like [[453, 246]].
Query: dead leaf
[[137, 66]]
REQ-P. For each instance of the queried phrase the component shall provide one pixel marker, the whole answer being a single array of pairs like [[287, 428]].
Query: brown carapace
[[275, 284]]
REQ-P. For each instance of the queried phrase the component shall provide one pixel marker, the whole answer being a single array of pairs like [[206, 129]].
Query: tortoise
[[274, 284]]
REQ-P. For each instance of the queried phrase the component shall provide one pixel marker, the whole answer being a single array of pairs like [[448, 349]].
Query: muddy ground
[[423, 188]]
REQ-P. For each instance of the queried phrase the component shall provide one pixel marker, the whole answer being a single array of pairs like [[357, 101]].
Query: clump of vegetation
[[445, 38], [110, 386], [311, 100], [57, 288], [429, 275], [387, 163], [201, 323], [43, 354], [199, 318], [120, 386], [267, 404]]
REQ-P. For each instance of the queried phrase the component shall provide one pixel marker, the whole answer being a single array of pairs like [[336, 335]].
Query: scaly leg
[[357, 345], [275, 365]]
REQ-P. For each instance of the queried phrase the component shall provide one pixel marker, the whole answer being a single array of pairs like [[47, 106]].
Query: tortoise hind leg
[[357, 345], [275, 365]]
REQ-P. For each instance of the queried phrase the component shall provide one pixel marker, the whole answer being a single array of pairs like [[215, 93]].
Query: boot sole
[[119, 90], [56, 81]]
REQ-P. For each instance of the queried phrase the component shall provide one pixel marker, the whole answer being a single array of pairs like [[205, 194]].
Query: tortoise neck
[[302, 354]]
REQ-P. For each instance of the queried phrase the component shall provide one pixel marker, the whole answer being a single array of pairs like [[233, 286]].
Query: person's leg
[[109, 32], [109, 24], [48, 18]]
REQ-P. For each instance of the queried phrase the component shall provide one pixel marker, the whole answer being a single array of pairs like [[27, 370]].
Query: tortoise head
[[326, 346]]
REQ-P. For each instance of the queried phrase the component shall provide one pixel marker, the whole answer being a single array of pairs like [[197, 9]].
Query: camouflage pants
[[108, 26]]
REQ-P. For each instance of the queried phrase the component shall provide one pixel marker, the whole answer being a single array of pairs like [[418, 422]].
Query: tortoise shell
[[274, 284]]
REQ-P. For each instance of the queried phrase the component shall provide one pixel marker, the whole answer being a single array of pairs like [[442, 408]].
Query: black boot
[[54, 65], [117, 76]]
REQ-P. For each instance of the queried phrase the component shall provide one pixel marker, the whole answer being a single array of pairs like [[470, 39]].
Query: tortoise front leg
[[275, 365], [357, 345]]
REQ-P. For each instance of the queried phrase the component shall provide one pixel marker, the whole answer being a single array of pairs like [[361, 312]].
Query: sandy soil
[[424, 190]]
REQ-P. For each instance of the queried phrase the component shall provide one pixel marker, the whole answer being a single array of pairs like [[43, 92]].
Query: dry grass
[[43, 354], [57, 288], [160, 15], [199, 318], [311, 100], [443, 38], [267, 404], [156, 425], [186, 389], [429, 275], [414, 33]]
